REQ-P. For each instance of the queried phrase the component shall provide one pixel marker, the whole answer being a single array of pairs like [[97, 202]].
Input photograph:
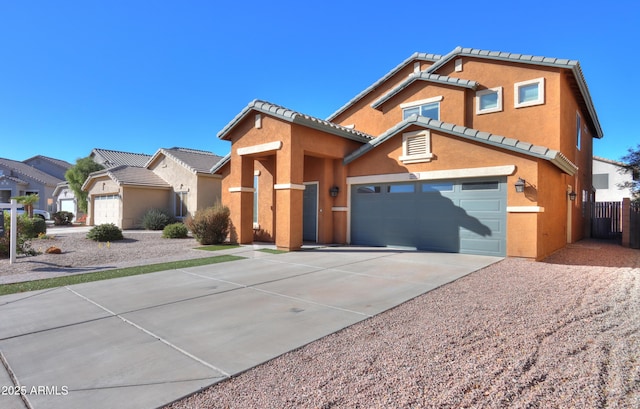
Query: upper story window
[[416, 147], [578, 130], [528, 93], [489, 100], [429, 108]]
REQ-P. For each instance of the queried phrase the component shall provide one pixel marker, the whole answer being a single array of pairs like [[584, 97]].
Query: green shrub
[[210, 225], [175, 231], [156, 219], [31, 227], [105, 232], [62, 218]]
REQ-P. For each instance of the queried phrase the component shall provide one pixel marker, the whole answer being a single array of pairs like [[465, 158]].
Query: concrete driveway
[[145, 341]]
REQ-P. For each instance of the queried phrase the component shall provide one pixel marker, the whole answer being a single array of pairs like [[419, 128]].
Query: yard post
[[626, 222], [14, 231]]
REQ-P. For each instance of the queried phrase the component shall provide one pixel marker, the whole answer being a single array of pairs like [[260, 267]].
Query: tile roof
[[196, 161], [294, 117], [118, 158], [21, 170], [221, 163], [414, 57], [59, 162], [14, 179], [129, 175], [424, 76], [510, 144]]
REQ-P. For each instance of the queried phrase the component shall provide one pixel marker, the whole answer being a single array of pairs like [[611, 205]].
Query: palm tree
[[28, 201]]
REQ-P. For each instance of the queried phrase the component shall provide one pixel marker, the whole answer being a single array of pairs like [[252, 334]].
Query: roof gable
[[571, 65], [413, 58], [63, 164], [110, 158], [196, 161], [23, 170], [487, 138], [289, 115], [128, 175], [424, 76]]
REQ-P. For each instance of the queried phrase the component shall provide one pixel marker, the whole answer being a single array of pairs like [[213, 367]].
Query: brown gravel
[[563, 333]]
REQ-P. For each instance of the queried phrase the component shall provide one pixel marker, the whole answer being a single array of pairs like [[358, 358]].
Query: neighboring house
[[178, 180], [66, 198], [31, 177], [611, 180], [473, 152]]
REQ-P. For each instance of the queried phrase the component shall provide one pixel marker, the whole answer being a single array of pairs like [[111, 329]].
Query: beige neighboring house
[[178, 180], [64, 196]]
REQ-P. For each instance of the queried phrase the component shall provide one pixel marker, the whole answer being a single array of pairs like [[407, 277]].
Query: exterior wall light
[[572, 195], [333, 191], [520, 185]]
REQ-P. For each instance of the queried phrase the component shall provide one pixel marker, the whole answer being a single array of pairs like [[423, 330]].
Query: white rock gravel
[[518, 334]]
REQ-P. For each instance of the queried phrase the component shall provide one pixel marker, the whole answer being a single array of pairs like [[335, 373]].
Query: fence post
[[626, 222], [14, 231]]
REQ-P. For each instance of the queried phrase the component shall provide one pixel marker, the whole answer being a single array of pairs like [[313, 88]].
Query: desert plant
[[210, 225], [62, 218], [105, 232], [156, 219], [175, 231]]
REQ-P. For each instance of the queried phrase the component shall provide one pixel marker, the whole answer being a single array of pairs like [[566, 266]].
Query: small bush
[[175, 231], [210, 225], [105, 232], [62, 218], [31, 227], [156, 219]]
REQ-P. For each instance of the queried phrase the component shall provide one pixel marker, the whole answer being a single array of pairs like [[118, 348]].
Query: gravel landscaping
[[560, 333], [518, 334]]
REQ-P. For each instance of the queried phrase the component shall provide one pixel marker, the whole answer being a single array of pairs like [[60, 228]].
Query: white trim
[[258, 123], [340, 209], [416, 158], [497, 108], [421, 102], [516, 93], [292, 186], [458, 65], [263, 147], [241, 189], [505, 170], [525, 209]]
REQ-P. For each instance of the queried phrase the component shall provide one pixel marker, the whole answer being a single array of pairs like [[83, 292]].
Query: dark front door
[[310, 213]]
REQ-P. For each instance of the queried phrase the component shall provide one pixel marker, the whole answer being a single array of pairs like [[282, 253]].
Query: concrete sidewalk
[[144, 341]]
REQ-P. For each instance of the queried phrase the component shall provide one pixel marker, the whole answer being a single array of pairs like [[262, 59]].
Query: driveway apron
[[147, 340]]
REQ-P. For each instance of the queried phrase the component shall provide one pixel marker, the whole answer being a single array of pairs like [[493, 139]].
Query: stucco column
[[288, 193], [241, 199]]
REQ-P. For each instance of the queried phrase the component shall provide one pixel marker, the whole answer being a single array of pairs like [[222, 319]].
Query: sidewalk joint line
[[159, 338]]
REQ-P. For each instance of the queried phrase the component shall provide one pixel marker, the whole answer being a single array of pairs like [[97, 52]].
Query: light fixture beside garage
[[333, 191], [520, 185], [572, 195]]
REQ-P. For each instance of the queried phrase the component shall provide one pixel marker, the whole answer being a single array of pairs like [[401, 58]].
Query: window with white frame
[[528, 93], [578, 130], [429, 108], [416, 147], [489, 100]]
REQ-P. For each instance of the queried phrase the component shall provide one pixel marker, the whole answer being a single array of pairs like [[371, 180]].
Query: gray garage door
[[459, 216]]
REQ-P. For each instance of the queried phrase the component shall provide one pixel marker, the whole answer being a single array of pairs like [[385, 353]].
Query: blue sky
[[141, 75]]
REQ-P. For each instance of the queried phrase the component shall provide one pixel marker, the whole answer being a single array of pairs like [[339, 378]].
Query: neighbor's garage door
[[106, 209], [460, 216]]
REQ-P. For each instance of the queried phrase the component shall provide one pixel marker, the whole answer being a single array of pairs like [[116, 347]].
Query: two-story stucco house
[[474, 151], [612, 180]]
